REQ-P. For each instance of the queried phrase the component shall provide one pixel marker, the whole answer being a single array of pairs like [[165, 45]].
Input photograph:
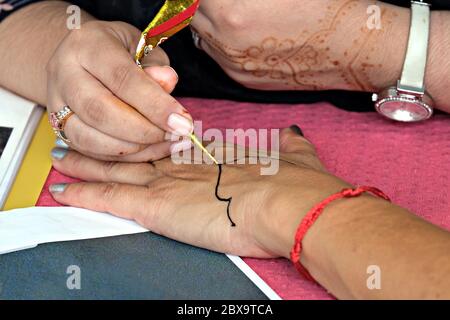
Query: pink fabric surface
[[409, 162]]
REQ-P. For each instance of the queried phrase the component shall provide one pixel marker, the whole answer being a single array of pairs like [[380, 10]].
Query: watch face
[[405, 111]]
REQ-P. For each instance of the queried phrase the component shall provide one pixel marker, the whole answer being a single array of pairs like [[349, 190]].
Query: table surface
[[409, 162]]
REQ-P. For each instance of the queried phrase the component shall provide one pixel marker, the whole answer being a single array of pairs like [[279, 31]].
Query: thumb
[[294, 147], [157, 66], [166, 76], [292, 140]]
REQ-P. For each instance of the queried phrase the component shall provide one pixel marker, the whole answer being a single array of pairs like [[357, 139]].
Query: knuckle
[[160, 198], [152, 135], [108, 191], [151, 217], [120, 77], [109, 169], [75, 164], [232, 20], [94, 107]]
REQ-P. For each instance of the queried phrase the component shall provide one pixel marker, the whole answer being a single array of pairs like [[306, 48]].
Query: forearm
[[29, 38], [413, 256]]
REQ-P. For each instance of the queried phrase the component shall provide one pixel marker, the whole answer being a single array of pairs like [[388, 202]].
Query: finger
[[85, 138], [296, 148], [156, 58], [122, 200], [151, 153], [76, 165], [100, 109], [119, 73], [166, 76], [292, 140]]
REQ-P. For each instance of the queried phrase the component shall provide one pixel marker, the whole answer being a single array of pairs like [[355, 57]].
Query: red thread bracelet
[[315, 213]]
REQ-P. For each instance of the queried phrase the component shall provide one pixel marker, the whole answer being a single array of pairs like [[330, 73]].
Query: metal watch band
[[413, 75]]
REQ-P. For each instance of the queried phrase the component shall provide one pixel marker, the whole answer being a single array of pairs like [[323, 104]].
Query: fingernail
[[180, 125], [297, 130], [181, 146], [62, 144], [58, 188], [59, 154]]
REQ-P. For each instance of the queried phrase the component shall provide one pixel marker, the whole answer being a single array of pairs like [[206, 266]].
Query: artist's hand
[[179, 202], [305, 45], [121, 111]]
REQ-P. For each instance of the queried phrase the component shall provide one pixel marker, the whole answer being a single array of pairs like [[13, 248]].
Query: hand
[[178, 201], [121, 111], [304, 45]]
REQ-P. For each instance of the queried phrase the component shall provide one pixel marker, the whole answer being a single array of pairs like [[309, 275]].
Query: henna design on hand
[[308, 63]]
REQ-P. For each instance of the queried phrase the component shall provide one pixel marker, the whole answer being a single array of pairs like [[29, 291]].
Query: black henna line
[[229, 200], [223, 199]]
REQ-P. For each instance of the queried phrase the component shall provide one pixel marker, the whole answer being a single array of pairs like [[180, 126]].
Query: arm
[[30, 36], [121, 112], [319, 45], [177, 201], [353, 234]]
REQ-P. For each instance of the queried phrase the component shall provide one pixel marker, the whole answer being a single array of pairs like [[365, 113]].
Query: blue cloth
[[143, 266]]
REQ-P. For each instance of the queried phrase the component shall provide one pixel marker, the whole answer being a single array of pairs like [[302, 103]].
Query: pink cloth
[[409, 162]]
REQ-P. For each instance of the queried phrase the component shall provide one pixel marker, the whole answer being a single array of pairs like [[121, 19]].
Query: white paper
[[27, 228]]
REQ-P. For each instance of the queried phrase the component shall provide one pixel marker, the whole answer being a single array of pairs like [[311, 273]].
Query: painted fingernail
[[59, 154], [58, 188], [297, 130], [62, 144], [181, 146], [180, 125]]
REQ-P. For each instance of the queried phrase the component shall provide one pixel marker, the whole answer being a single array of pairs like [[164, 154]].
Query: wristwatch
[[408, 101]]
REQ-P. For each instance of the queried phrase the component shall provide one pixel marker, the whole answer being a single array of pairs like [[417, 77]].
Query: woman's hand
[[121, 111], [178, 201], [305, 45]]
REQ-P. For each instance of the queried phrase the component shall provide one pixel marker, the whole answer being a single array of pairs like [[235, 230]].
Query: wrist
[[275, 231], [389, 50], [338, 218], [438, 66]]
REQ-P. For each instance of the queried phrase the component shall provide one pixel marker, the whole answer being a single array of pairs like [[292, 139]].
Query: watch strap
[[413, 75]]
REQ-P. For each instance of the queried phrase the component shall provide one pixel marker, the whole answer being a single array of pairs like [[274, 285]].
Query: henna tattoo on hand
[[310, 62]]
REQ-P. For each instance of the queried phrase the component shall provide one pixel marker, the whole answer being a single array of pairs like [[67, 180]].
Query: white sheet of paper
[[27, 228]]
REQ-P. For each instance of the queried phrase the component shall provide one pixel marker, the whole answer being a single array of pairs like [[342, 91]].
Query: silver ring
[[197, 39]]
